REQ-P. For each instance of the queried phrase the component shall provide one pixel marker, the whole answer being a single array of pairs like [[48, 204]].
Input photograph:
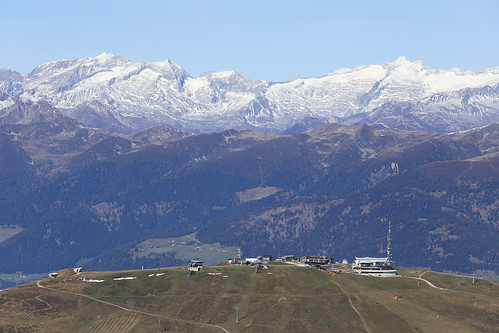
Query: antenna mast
[[389, 245]]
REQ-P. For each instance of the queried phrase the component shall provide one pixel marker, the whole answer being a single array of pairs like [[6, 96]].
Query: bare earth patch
[[257, 193]]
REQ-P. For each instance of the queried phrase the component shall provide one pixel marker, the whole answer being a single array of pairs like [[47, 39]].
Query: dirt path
[[131, 310], [354, 308], [428, 282], [49, 307], [266, 309], [440, 288]]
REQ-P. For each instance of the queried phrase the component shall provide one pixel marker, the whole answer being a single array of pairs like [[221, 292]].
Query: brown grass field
[[284, 298]]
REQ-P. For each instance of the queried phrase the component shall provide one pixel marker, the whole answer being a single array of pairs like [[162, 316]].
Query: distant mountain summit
[[113, 92]]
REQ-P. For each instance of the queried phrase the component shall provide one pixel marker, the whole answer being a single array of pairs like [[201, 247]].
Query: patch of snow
[[220, 75], [125, 278], [193, 85], [6, 103]]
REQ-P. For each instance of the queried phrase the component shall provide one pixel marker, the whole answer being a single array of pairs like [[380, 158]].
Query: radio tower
[[389, 245]]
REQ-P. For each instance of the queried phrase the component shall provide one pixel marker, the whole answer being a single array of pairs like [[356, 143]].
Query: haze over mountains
[[85, 178], [115, 93]]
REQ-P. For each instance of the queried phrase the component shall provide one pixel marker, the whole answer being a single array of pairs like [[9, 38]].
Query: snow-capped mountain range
[[113, 92]]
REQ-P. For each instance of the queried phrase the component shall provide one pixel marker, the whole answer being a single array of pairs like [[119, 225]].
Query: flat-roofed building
[[316, 260], [373, 266], [377, 266]]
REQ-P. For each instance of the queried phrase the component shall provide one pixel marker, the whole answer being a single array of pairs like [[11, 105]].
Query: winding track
[[360, 315], [440, 288], [428, 282], [131, 310], [420, 277], [354, 308]]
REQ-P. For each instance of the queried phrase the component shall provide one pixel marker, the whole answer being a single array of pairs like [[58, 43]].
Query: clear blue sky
[[261, 39]]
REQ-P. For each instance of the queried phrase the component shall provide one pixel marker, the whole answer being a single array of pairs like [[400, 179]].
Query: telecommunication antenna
[[239, 253], [389, 245], [237, 314]]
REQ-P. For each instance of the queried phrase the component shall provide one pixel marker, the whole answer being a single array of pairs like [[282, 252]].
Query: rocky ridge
[[113, 92]]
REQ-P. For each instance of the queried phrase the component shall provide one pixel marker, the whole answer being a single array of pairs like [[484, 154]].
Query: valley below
[[104, 162], [77, 196]]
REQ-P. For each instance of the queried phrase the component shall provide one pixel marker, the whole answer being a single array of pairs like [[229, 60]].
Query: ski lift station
[[196, 265]]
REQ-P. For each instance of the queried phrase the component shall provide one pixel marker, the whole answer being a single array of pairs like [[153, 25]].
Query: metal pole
[[389, 244], [237, 315]]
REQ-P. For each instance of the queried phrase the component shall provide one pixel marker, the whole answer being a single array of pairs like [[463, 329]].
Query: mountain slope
[[283, 298], [113, 92], [329, 190]]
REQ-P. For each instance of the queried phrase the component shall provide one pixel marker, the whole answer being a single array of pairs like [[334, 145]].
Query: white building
[[373, 266], [252, 261], [377, 266]]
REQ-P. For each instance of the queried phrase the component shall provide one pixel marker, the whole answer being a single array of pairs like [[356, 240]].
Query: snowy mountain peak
[[404, 64], [167, 66], [221, 74], [228, 76], [401, 61], [104, 56], [114, 92], [105, 60]]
